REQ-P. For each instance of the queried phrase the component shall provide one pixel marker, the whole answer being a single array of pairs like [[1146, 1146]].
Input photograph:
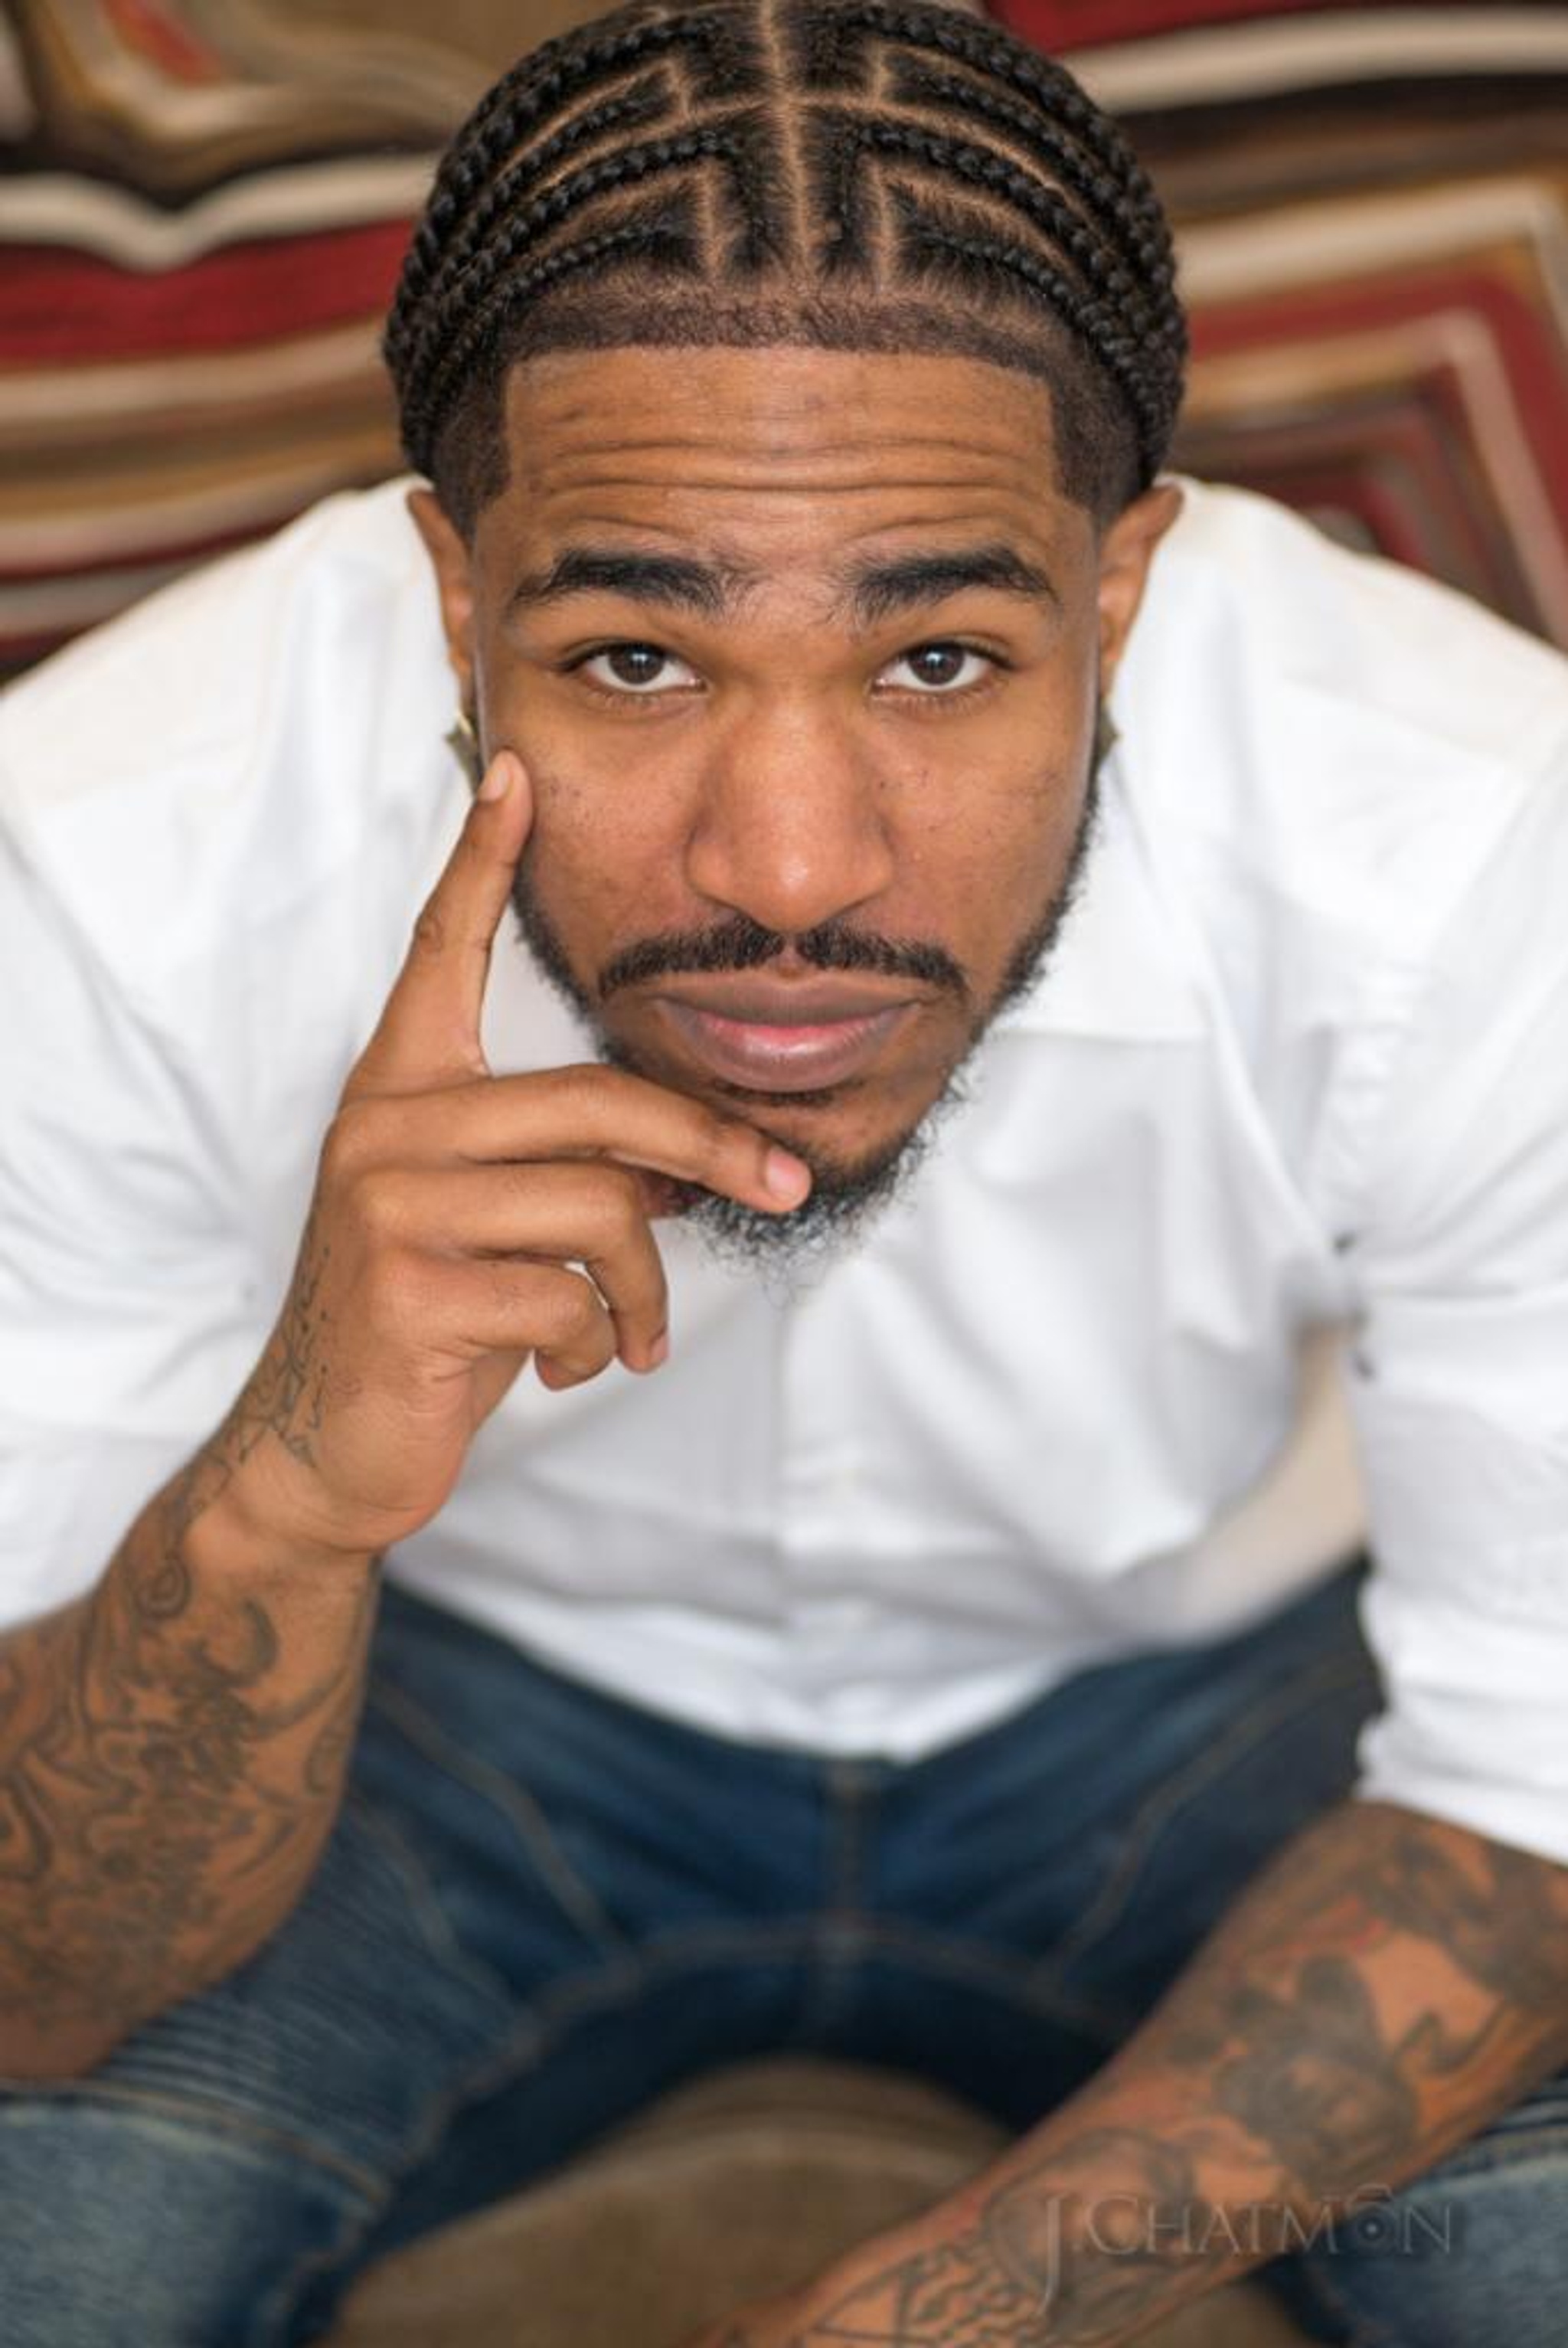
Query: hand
[[463, 1222]]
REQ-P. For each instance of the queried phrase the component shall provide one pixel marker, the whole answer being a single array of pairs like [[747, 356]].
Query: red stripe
[[1532, 358], [61, 305], [1412, 463], [1401, 480], [171, 45], [1058, 24]]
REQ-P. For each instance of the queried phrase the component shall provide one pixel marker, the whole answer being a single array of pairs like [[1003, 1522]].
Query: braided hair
[[857, 174]]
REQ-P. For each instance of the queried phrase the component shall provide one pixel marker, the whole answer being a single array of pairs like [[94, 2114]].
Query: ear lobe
[[449, 559], [1126, 552]]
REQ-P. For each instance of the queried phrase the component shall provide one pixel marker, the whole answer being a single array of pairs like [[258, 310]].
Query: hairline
[[549, 337]]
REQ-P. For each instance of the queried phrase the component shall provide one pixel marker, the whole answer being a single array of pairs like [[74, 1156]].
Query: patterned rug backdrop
[[204, 202]]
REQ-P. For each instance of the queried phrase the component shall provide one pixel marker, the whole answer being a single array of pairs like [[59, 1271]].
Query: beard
[[845, 1195]]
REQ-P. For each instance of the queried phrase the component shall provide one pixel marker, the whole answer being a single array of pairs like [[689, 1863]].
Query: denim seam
[[212, 2118], [530, 2038], [576, 1897], [282, 2302], [850, 1798], [838, 1935], [1111, 1902], [423, 1902], [1018, 1981]]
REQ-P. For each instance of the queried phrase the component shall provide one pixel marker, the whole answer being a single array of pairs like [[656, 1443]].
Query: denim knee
[[124, 2224], [1472, 2254]]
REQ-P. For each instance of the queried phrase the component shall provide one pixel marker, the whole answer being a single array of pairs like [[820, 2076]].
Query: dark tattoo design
[[1469, 1942], [953, 2291], [286, 1395], [1386, 1987], [1314, 2077], [1075, 2249], [166, 1775], [1504, 1923]]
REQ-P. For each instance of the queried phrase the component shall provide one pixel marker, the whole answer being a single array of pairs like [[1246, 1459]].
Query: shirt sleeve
[[130, 1312], [1460, 1382]]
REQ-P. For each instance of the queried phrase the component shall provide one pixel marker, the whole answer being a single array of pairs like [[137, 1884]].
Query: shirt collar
[[1125, 965]]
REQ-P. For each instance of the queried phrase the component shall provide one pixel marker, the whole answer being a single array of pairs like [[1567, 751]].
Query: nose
[[790, 825]]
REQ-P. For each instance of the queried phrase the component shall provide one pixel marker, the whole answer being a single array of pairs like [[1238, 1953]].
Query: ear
[[1126, 553], [449, 559]]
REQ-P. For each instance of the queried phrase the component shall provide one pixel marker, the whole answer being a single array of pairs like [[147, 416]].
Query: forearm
[[1387, 1987], [172, 1756]]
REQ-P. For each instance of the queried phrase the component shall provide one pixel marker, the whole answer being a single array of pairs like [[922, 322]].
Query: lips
[[783, 1039]]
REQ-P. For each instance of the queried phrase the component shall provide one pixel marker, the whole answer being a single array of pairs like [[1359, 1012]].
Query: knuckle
[[340, 1149], [392, 1290], [572, 1315], [379, 1205], [351, 1141], [612, 1208]]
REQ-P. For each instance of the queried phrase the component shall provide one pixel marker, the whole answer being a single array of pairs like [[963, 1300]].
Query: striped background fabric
[[204, 203]]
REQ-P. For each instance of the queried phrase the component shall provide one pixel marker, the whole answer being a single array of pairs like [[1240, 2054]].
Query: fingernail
[[785, 1177], [497, 777], [659, 1351]]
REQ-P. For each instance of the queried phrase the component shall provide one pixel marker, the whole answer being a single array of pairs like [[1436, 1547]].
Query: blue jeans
[[542, 1907]]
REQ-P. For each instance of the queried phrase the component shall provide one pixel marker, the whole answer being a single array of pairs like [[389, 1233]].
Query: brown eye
[[939, 668], [634, 663], [937, 664], [644, 669]]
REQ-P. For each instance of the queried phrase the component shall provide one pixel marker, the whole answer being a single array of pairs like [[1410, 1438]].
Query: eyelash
[[623, 694]]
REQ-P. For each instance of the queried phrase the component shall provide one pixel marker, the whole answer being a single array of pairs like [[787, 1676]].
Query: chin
[[852, 1187], [842, 1131]]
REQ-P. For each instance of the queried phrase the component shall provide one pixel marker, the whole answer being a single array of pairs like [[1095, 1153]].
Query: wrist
[[248, 1517]]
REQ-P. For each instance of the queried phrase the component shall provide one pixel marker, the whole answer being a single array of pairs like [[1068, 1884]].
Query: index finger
[[428, 1031]]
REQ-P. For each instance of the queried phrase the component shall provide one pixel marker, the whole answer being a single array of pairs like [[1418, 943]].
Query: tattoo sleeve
[[1389, 1986], [172, 1745]]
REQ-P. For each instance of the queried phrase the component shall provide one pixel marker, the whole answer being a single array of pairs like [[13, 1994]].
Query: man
[[828, 1599]]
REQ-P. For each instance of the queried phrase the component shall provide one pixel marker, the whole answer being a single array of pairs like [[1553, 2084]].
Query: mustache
[[739, 943]]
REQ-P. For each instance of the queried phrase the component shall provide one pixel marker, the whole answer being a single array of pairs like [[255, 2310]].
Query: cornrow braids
[[857, 174], [486, 285], [541, 89], [954, 252], [1060, 156]]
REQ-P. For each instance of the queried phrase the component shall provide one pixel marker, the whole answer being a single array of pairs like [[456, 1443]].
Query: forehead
[[778, 455]]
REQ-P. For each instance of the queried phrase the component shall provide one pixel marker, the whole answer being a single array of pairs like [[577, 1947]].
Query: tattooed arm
[[172, 1745], [1387, 1986], [172, 1748]]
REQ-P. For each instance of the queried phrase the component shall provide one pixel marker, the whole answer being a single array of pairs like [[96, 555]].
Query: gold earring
[[462, 741], [1105, 737]]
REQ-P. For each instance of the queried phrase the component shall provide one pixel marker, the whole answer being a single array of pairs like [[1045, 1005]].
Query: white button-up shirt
[[1256, 1216]]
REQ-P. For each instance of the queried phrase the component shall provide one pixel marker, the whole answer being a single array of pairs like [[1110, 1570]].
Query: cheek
[[596, 851], [989, 851]]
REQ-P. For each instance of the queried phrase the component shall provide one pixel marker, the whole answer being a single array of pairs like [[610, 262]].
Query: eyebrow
[[681, 582], [873, 590], [876, 591]]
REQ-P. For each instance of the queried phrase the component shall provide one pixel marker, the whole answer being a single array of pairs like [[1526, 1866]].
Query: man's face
[[802, 650]]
